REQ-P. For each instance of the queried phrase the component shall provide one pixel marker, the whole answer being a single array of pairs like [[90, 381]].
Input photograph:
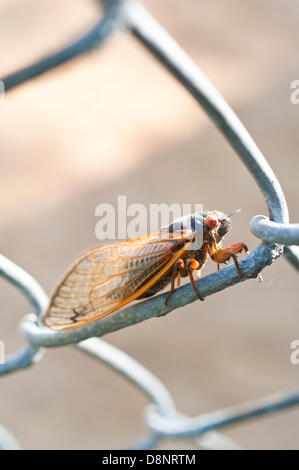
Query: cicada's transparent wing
[[106, 278]]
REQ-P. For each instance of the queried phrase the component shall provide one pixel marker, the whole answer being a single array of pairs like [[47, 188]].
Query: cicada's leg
[[191, 265], [222, 255], [178, 268], [184, 268]]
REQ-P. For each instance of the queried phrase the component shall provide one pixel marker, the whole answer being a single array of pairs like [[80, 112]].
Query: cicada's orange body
[[106, 278]]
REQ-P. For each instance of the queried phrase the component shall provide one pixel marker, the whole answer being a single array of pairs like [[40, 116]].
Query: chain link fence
[[278, 237]]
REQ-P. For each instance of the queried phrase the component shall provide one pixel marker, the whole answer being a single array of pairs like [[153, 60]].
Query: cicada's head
[[218, 222]]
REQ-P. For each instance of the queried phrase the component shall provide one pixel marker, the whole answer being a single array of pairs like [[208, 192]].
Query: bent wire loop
[[162, 418]]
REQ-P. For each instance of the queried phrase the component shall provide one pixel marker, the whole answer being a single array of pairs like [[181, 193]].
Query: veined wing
[[107, 277]]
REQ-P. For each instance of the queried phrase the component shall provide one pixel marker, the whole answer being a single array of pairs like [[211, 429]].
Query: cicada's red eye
[[212, 221]]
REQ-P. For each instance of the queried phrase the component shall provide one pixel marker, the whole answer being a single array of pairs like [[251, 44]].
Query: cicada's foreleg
[[222, 255]]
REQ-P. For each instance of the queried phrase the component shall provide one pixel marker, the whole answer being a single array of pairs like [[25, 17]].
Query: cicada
[[107, 277]]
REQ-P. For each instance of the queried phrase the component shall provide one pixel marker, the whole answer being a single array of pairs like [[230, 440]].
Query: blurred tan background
[[114, 122]]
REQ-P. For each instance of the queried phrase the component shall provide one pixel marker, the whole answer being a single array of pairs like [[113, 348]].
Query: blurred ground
[[114, 122]]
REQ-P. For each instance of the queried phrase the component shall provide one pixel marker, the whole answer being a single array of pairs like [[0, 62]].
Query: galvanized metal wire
[[162, 418], [274, 232]]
